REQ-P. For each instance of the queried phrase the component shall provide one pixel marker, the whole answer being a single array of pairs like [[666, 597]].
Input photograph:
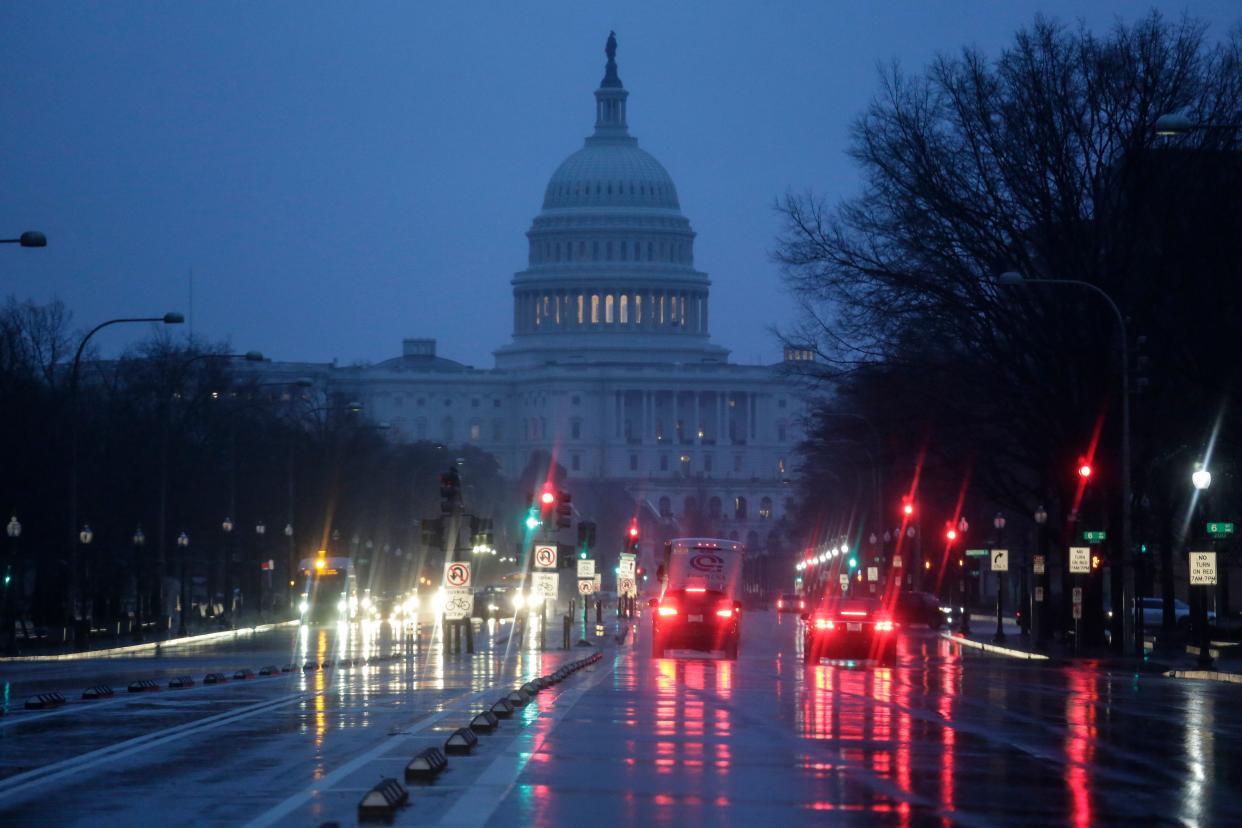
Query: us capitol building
[[611, 370]]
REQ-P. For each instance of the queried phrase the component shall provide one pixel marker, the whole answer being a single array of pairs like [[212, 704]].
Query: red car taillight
[[666, 610], [802, 605], [824, 624], [884, 626], [780, 604]]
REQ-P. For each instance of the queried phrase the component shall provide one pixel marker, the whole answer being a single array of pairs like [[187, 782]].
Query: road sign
[[545, 557], [627, 565], [546, 584], [1202, 568], [599, 582], [585, 587], [586, 567], [457, 574], [1220, 530], [626, 586], [896, 562], [1080, 560], [1041, 564], [845, 581], [1000, 560], [976, 553], [1039, 593], [1076, 596], [1077, 611], [458, 603], [873, 573], [1094, 536]]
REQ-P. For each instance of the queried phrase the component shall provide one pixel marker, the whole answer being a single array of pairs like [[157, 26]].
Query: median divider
[[180, 682], [426, 765], [215, 678], [99, 691], [994, 649], [243, 674], [484, 722], [461, 741], [143, 686], [269, 670], [502, 709], [519, 698], [382, 801], [45, 701]]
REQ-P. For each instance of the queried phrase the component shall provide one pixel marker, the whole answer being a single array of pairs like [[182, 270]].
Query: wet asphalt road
[[941, 738]]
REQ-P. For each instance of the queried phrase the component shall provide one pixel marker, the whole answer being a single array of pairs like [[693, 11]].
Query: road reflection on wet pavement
[[943, 737]]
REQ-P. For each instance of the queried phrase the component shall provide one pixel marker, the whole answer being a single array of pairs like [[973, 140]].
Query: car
[[1153, 612], [695, 618], [850, 628], [918, 608], [789, 602]]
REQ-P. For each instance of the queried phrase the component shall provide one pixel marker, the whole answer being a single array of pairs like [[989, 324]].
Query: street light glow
[[1201, 478]]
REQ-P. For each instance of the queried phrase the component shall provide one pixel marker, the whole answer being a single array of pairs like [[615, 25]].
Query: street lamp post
[[264, 572], [1201, 479], [183, 548], [73, 580], [964, 627], [1131, 621], [998, 523], [85, 536], [12, 595], [226, 617], [140, 594]]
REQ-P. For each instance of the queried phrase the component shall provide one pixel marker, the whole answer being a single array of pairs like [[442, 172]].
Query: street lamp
[[998, 523], [1133, 620], [14, 531], [183, 545], [1201, 479], [31, 238], [1040, 594], [1176, 124], [166, 319]]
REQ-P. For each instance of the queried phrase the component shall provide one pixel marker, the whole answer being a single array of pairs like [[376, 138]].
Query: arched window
[[608, 251], [624, 312], [666, 507], [739, 507], [752, 541], [713, 507], [690, 507], [650, 251], [765, 508], [594, 308], [608, 301]]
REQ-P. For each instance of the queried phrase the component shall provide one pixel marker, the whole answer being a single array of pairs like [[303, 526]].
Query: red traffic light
[[1084, 469], [950, 534], [547, 498], [908, 509], [633, 531]]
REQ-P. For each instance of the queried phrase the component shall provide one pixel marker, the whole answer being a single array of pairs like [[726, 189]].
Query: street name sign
[[1094, 536], [458, 603], [1000, 560], [1220, 530], [457, 574], [547, 584], [586, 567], [976, 553], [1077, 611], [1202, 568], [1080, 560], [1041, 564], [545, 557]]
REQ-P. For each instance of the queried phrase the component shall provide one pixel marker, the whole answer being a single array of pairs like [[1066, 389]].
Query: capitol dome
[[610, 270]]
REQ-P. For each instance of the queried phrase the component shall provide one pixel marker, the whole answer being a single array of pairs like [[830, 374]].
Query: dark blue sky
[[340, 176]]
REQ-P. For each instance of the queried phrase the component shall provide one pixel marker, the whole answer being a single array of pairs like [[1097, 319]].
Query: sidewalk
[[1174, 660]]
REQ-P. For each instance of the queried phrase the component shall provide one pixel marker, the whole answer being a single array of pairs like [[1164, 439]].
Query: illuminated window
[[685, 463], [594, 309], [638, 310], [476, 432], [608, 309], [780, 466], [739, 507], [581, 318], [624, 313], [765, 508]]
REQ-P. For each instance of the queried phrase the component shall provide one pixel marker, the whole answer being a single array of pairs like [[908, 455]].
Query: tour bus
[[698, 608], [330, 590]]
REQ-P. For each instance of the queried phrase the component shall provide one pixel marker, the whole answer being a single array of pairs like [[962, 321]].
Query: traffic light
[[631, 538], [450, 491], [564, 510], [1096, 562], [432, 532], [586, 534], [1084, 468], [853, 562], [532, 518], [907, 507], [950, 533]]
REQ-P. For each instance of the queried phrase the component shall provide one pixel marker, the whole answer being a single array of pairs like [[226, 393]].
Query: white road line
[[170, 644], [495, 783], [993, 648], [325, 783], [86, 761]]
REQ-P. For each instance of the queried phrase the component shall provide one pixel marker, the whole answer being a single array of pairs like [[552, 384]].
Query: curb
[[152, 645], [994, 648], [1205, 675]]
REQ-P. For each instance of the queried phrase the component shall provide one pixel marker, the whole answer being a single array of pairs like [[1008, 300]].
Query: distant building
[[611, 369]]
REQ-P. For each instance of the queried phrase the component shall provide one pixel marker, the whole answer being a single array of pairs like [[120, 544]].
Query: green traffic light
[[853, 563], [532, 522], [582, 554]]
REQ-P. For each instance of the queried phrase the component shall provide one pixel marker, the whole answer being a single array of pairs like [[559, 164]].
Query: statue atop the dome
[[610, 70]]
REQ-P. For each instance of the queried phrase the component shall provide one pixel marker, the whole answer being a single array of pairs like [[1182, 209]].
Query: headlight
[[366, 603], [303, 607], [341, 605], [411, 605], [518, 600], [437, 601]]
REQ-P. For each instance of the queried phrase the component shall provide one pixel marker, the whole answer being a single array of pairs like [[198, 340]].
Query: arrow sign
[[1000, 560], [458, 574], [545, 557]]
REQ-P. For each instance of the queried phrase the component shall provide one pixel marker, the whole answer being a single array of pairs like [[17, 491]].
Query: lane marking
[[993, 648], [497, 780], [119, 750], [170, 644]]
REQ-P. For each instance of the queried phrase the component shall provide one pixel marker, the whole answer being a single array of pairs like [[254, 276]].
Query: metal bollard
[[468, 631], [567, 629]]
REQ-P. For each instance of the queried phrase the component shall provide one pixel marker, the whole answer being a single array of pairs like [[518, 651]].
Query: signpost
[[873, 573], [626, 587], [586, 567], [585, 586], [457, 574], [547, 584], [1079, 560], [545, 557], [1203, 568], [845, 582], [458, 603], [1041, 564], [1000, 560], [1094, 536], [627, 565]]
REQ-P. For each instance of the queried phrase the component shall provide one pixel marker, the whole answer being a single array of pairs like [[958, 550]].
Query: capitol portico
[[611, 369]]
